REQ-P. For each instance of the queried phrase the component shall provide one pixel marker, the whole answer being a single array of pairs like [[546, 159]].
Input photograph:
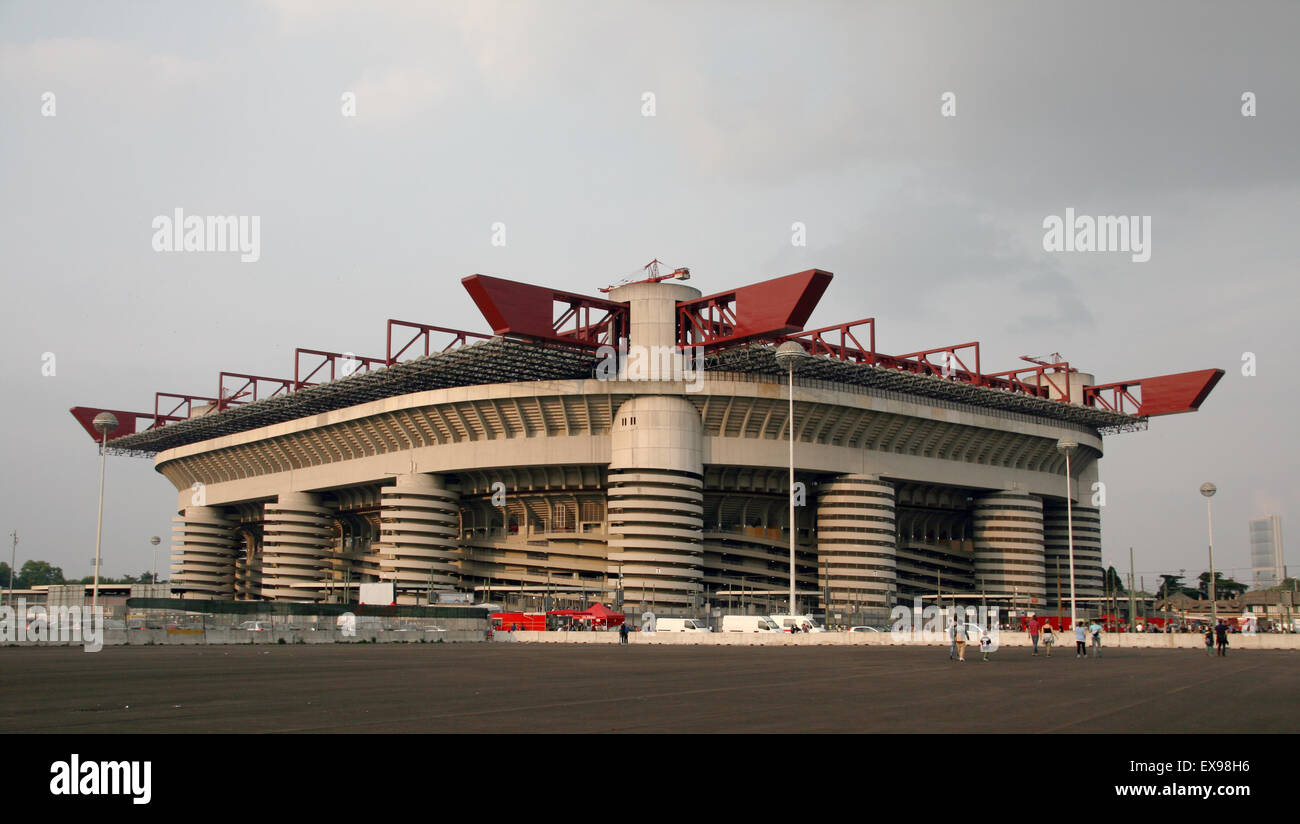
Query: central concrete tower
[[656, 469]]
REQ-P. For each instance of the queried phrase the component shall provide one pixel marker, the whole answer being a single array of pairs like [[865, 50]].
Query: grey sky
[[767, 113]]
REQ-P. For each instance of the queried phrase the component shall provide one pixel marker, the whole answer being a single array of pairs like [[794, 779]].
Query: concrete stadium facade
[[645, 487], [661, 493]]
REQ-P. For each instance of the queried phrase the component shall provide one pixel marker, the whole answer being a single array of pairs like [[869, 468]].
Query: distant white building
[[1267, 567]]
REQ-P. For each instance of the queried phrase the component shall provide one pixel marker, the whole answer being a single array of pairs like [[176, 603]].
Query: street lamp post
[[788, 356], [104, 423], [1208, 490], [155, 540], [13, 561], [1067, 447]]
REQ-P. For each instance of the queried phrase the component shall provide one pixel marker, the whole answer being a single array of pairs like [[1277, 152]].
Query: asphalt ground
[[552, 688]]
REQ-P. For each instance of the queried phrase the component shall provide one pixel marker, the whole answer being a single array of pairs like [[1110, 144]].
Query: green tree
[[39, 573], [1114, 582], [1171, 585], [1224, 588], [4, 577]]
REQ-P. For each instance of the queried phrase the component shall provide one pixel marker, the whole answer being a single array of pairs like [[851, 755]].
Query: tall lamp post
[[155, 540], [104, 423], [13, 561], [1067, 447], [788, 356], [1208, 490]]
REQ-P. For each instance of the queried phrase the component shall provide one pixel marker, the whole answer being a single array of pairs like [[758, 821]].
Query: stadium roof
[[501, 360]]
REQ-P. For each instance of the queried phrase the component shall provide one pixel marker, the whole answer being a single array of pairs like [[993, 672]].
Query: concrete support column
[[1009, 546], [298, 534], [419, 535], [1088, 572], [856, 542], [656, 503], [248, 568], [204, 546]]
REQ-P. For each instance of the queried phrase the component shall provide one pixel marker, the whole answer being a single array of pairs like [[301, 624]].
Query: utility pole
[[1131, 602], [13, 561], [826, 569], [1058, 593]]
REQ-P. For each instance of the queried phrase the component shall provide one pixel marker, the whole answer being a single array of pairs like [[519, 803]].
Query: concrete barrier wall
[[1005, 640], [156, 637], [1013, 640]]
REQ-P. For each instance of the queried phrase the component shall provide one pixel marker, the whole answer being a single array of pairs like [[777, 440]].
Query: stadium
[[636, 448]]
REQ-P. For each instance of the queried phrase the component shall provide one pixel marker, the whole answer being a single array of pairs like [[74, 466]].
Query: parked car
[[863, 629], [255, 626]]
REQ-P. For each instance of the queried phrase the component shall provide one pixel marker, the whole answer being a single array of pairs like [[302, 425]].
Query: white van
[[748, 623], [805, 623], [681, 625]]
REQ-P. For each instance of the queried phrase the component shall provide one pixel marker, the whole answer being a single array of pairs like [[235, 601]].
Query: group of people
[[1038, 628], [959, 634], [1217, 635]]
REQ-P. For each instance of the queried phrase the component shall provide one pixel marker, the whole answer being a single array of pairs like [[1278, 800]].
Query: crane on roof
[[652, 270]]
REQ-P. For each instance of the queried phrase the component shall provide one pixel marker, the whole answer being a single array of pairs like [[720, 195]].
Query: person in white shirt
[[959, 640]]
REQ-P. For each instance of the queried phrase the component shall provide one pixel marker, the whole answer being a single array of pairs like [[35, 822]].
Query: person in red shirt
[[1032, 625]]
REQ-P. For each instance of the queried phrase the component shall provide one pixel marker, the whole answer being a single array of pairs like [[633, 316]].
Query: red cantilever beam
[[126, 421], [770, 308], [1161, 395], [513, 308]]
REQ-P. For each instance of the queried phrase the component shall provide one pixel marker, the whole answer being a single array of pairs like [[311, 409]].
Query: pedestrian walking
[[1031, 627], [1095, 630], [1209, 640], [986, 644], [959, 640], [1049, 639], [622, 633], [952, 633], [1221, 635], [1080, 641]]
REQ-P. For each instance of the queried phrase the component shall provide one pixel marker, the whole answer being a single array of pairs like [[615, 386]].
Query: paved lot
[[554, 688]]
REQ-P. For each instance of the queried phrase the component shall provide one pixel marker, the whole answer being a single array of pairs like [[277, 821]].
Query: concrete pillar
[[656, 503], [856, 542], [204, 546], [419, 535], [1009, 547], [298, 533], [248, 569], [1088, 572]]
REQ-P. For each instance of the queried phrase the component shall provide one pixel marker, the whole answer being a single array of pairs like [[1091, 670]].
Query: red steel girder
[[846, 348], [177, 401], [771, 308], [252, 389], [955, 369], [1045, 378], [423, 331], [513, 308], [359, 363]]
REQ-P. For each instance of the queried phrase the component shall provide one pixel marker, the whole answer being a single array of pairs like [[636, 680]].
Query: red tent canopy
[[601, 614]]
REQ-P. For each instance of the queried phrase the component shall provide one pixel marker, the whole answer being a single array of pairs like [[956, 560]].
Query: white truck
[[748, 623], [681, 625], [804, 623]]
